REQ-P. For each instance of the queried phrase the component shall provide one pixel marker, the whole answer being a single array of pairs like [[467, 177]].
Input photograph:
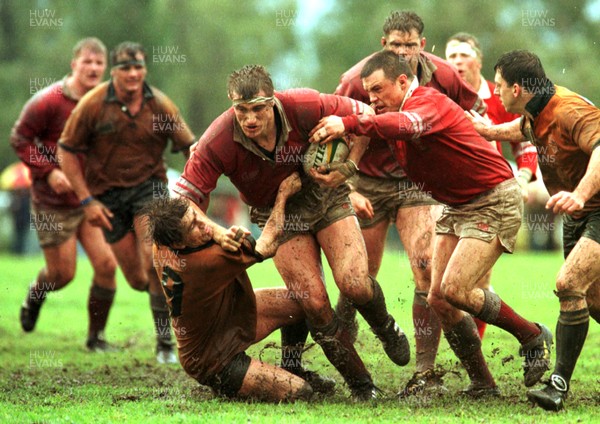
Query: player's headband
[[460, 47], [258, 99], [129, 62]]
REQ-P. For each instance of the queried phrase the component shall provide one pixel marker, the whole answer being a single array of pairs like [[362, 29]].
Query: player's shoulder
[[445, 73], [294, 96], [95, 97], [220, 131]]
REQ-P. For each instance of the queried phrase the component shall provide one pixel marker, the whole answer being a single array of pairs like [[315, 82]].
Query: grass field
[[48, 376]]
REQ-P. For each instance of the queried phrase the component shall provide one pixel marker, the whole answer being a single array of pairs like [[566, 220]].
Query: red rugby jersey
[[223, 149], [432, 72], [34, 137], [444, 155]]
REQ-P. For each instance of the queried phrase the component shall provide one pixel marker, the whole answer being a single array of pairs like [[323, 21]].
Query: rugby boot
[[319, 383], [480, 392], [365, 391], [165, 353], [30, 311], [98, 344], [394, 341], [425, 381], [537, 356], [553, 396], [346, 313]]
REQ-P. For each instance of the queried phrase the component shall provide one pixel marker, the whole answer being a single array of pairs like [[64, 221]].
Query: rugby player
[[258, 143], [438, 148], [114, 129], [58, 216], [383, 194], [215, 313], [565, 128]]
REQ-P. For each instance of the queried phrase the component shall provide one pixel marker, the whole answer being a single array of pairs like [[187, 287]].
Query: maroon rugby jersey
[[444, 155], [223, 149], [34, 137], [377, 160]]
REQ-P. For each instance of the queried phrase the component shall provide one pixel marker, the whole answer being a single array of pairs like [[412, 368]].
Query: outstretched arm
[[509, 131], [267, 243]]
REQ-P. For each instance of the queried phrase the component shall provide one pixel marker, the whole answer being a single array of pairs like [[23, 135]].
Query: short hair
[[522, 67], [392, 65], [92, 44], [126, 48], [465, 37], [403, 21], [249, 80], [164, 220]]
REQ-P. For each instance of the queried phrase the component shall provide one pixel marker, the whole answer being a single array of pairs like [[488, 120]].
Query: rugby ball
[[322, 154]]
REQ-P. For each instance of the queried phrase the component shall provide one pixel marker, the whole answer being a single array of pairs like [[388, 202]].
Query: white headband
[[461, 47]]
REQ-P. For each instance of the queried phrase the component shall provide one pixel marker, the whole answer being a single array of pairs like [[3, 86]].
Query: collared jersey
[[34, 138], [437, 146], [564, 133], [212, 303], [223, 149], [432, 72], [123, 150]]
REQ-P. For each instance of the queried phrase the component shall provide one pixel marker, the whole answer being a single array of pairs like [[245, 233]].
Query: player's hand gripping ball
[[323, 154]]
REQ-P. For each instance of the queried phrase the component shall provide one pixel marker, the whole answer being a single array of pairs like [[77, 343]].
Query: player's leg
[[459, 328], [416, 228], [305, 279], [576, 277], [276, 308], [56, 233], [484, 283], [268, 383], [344, 248], [374, 237], [103, 288]]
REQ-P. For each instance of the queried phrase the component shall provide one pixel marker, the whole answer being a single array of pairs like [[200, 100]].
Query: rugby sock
[[428, 331], [481, 326], [99, 304], [162, 321], [498, 313], [293, 338], [335, 343], [571, 332], [374, 311], [466, 344]]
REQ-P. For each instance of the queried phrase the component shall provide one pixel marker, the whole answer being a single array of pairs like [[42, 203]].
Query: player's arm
[[508, 131], [268, 242], [68, 148], [589, 185]]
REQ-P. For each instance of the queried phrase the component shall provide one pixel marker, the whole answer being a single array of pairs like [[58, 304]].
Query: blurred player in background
[[464, 52], [565, 128], [258, 143], [58, 217], [383, 194], [114, 128]]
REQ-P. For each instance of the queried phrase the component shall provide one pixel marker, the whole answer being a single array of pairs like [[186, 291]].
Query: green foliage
[[48, 376]]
